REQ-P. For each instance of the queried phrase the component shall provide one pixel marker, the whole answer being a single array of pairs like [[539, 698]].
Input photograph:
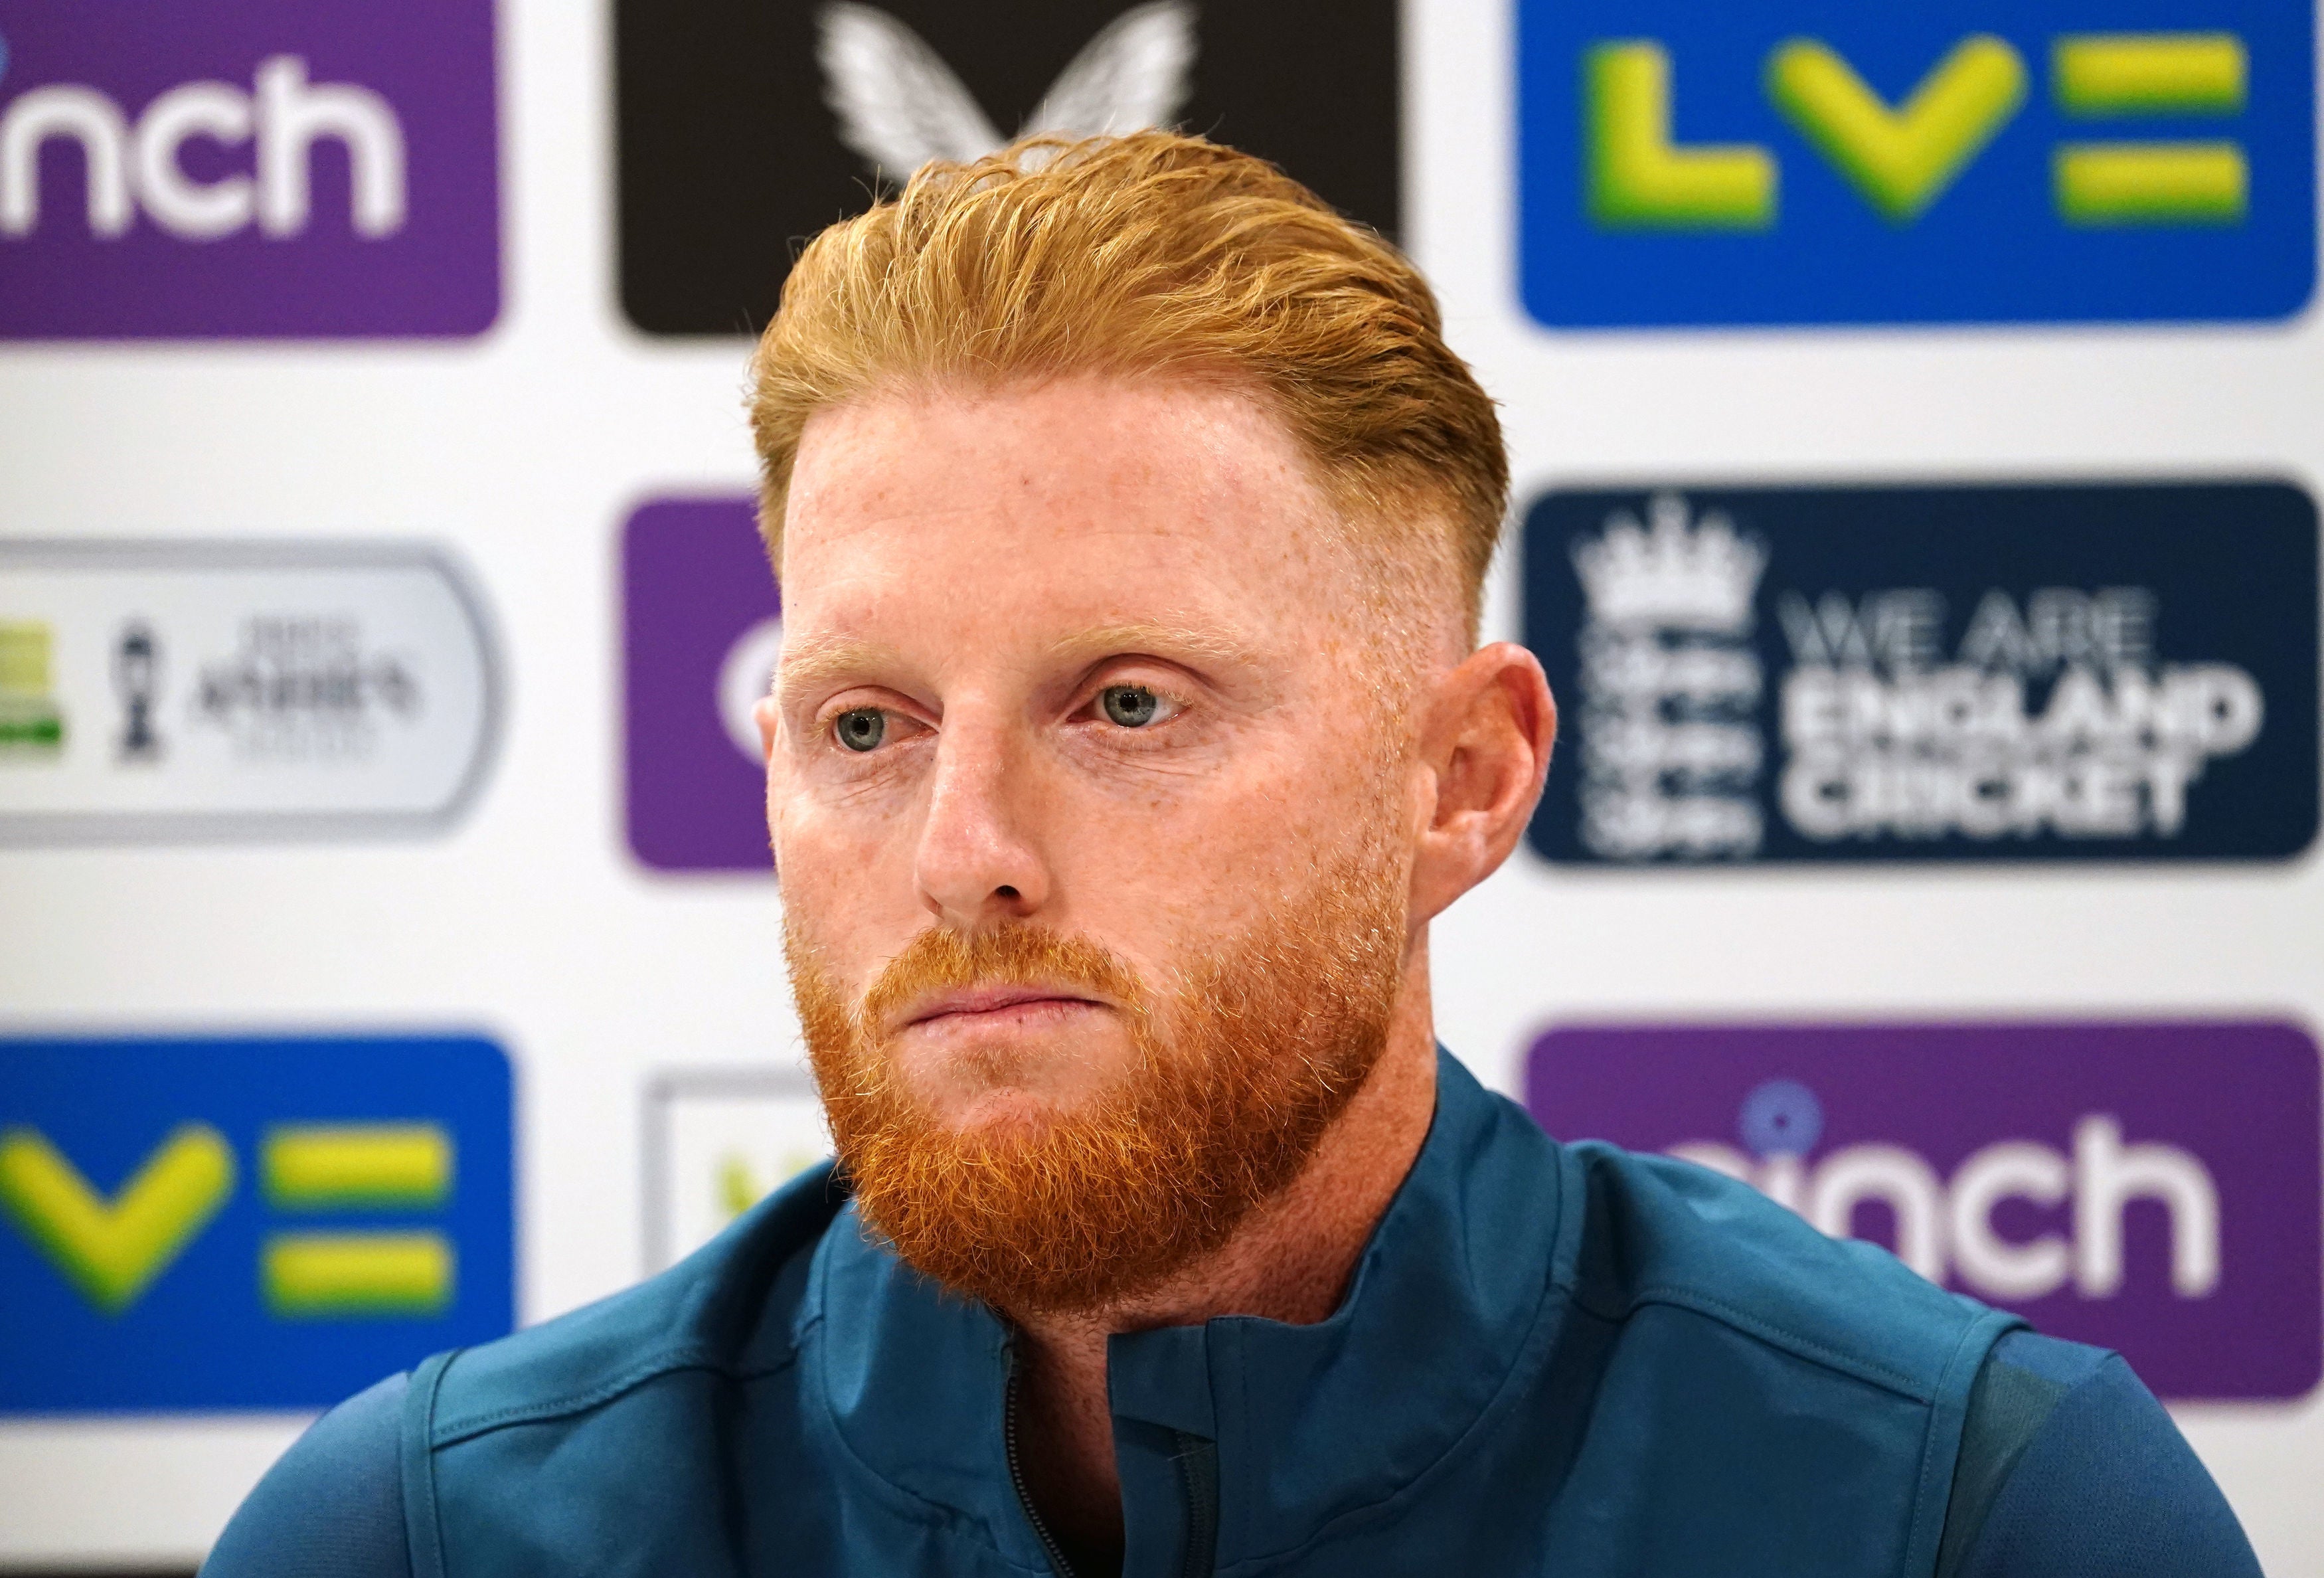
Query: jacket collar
[[1314, 1423]]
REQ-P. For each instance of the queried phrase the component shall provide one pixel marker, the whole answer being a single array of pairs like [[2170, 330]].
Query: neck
[[1290, 1260]]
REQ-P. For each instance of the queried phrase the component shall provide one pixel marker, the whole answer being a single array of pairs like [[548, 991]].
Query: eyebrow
[[812, 660], [1163, 641]]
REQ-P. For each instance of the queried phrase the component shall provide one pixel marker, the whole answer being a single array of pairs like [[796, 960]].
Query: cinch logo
[[245, 1223], [1943, 1226], [787, 115], [1762, 163], [2061, 673], [217, 170], [701, 628], [126, 166], [2147, 1187]]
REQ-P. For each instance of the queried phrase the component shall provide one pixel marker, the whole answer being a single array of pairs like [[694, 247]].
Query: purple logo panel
[[2153, 1188], [248, 168], [702, 625]]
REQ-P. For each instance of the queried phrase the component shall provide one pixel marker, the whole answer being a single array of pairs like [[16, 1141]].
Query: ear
[[764, 712], [1484, 746]]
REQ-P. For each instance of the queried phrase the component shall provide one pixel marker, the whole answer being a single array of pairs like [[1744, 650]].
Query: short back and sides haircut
[[1151, 254]]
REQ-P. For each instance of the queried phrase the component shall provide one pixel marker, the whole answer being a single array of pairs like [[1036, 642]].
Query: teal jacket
[[1561, 1360]]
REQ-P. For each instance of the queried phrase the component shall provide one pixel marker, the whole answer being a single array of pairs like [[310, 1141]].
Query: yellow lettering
[[1638, 178], [1901, 160]]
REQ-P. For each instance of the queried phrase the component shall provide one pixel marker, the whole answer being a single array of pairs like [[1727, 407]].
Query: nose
[[979, 864]]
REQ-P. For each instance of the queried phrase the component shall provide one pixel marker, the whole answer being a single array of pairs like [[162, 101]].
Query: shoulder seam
[[451, 1432], [1947, 1419], [1747, 1323], [1775, 1337], [416, 1450]]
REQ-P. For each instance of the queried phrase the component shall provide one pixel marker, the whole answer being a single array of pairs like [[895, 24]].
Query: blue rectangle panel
[[246, 1223], [2066, 672], [1820, 162]]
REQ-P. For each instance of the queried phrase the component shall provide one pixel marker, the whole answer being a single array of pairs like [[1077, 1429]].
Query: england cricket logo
[[1671, 754]]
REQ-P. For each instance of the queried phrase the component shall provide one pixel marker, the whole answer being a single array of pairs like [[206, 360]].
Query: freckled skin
[[918, 526], [978, 566]]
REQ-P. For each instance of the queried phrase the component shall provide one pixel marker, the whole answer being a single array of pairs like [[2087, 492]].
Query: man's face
[[1073, 671]]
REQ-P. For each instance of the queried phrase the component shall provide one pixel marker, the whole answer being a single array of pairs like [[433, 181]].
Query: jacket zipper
[[1057, 1563], [1198, 1472]]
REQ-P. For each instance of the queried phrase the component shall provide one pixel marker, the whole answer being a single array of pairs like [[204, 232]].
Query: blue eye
[[1132, 707], [860, 728]]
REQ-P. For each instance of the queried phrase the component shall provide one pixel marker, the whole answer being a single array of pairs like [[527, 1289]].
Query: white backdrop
[[527, 449]]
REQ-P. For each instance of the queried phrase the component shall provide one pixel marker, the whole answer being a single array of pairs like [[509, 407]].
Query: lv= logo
[[1902, 159], [113, 1249], [1899, 160]]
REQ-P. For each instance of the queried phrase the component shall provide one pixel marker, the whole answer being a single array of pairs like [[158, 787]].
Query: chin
[[1028, 1076], [1005, 1113]]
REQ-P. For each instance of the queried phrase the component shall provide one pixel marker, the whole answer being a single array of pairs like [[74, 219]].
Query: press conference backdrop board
[[1920, 530]]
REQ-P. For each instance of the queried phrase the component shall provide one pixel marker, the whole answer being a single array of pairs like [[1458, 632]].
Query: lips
[[967, 1003]]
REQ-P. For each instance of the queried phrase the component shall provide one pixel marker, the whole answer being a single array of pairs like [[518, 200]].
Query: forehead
[[1073, 500]]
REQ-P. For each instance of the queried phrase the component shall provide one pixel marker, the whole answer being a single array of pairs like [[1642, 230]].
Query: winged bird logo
[[900, 106]]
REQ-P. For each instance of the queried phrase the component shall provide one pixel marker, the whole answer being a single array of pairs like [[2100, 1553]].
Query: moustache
[[1025, 953]]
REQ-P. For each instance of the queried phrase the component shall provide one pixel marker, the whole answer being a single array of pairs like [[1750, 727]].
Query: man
[[1130, 728]]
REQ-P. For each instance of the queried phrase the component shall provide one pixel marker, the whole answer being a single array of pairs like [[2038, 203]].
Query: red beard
[[1270, 1039]]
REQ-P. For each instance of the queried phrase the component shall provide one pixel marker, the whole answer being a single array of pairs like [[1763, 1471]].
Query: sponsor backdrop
[[1914, 419]]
